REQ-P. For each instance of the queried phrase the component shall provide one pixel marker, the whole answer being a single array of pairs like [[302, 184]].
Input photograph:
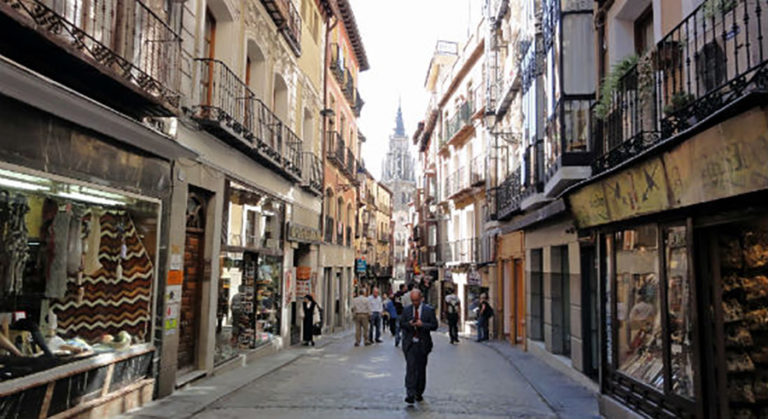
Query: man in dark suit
[[416, 323]]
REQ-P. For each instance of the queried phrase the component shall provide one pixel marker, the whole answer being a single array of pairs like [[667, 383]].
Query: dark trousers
[[416, 369], [375, 323], [453, 326]]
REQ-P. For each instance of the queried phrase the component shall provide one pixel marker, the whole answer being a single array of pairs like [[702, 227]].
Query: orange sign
[[175, 277], [303, 272]]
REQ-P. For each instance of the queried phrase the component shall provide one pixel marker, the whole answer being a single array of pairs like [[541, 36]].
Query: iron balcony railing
[[125, 39], [312, 172], [330, 224], [477, 171], [287, 19], [334, 148], [464, 251], [359, 102], [383, 237], [349, 88], [231, 109], [460, 119], [533, 169], [351, 166], [338, 69], [714, 56], [509, 195]]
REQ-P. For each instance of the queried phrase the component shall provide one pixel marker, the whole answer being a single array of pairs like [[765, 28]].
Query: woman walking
[[311, 313]]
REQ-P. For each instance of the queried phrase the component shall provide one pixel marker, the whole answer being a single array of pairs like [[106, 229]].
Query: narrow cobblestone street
[[338, 380]]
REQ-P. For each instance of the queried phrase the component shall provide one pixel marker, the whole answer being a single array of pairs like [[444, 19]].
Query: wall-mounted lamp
[[327, 113]]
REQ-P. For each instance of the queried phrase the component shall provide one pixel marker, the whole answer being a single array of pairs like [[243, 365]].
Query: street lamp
[[489, 117]]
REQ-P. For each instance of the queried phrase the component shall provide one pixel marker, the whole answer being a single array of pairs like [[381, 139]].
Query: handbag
[[317, 330]]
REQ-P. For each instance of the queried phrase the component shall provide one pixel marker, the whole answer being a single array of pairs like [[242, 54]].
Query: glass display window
[[638, 305], [680, 311], [77, 271]]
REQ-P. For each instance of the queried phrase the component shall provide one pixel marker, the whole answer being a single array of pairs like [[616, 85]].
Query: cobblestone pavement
[[339, 380]]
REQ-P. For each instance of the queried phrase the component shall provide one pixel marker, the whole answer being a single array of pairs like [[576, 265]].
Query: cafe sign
[[303, 234]]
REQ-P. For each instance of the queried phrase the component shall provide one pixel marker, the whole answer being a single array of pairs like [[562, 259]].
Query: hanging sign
[[361, 265], [473, 277]]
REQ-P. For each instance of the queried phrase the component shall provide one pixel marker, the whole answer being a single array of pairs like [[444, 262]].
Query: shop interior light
[[22, 185], [24, 177], [77, 196]]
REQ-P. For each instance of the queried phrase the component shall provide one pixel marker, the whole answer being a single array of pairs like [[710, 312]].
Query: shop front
[[250, 304], [683, 261], [81, 226], [511, 263]]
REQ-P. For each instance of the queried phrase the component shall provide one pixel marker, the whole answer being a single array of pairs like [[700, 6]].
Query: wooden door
[[191, 293], [519, 301]]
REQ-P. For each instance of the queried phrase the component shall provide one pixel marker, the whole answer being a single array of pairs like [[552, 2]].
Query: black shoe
[[419, 398], [378, 340], [409, 399]]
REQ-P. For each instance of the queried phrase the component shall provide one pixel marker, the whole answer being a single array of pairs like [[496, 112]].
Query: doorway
[[589, 313], [194, 268], [519, 301]]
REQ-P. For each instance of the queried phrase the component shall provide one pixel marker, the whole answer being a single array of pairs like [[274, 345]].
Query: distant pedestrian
[[311, 317], [384, 313], [361, 308], [406, 298], [452, 310], [376, 309], [484, 314], [417, 321], [394, 326]]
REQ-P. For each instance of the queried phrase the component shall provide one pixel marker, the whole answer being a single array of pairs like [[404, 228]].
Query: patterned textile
[[116, 297]]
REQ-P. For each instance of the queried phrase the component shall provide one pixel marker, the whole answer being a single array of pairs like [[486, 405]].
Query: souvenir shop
[[250, 287], [683, 261], [78, 267]]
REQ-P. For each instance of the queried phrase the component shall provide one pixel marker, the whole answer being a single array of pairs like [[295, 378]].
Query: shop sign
[[303, 272], [448, 276], [173, 291], [473, 277], [303, 287], [361, 265], [303, 234], [288, 288], [726, 160]]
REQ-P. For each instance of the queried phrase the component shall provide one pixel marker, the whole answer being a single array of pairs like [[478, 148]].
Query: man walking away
[[394, 327], [452, 309], [376, 308], [361, 308], [417, 321], [484, 314]]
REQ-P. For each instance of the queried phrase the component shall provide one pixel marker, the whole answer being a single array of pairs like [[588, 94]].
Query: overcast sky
[[399, 38]]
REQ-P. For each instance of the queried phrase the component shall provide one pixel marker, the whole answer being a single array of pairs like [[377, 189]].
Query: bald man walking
[[416, 322]]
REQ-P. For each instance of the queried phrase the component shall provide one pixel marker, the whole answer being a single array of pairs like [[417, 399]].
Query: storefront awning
[[26, 86]]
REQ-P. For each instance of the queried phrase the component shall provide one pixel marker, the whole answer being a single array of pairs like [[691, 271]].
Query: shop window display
[[743, 255], [76, 272], [679, 311], [638, 301], [248, 311]]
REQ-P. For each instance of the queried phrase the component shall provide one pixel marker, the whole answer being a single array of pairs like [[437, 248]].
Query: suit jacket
[[429, 323]]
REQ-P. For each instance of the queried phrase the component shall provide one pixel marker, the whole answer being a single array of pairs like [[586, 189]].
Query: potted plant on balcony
[[713, 7], [610, 84]]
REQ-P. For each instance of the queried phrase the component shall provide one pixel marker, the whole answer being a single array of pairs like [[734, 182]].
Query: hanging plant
[[711, 7], [610, 84]]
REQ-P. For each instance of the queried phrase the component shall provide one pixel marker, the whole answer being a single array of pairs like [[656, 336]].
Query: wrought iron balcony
[[334, 149], [383, 237], [287, 19], [629, 124], [713, 57], [349, 88], [477, 171], [120, 53], [359, 102], [312, 173], [351, 167], [533, 175], [338, 69], [509, 195], [464, 251], [456, 123], [230, 111]]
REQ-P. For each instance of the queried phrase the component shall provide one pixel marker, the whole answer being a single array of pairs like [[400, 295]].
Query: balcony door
[[209, 47]]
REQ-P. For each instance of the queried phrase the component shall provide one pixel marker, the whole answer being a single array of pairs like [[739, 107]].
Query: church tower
[[398, 175]]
